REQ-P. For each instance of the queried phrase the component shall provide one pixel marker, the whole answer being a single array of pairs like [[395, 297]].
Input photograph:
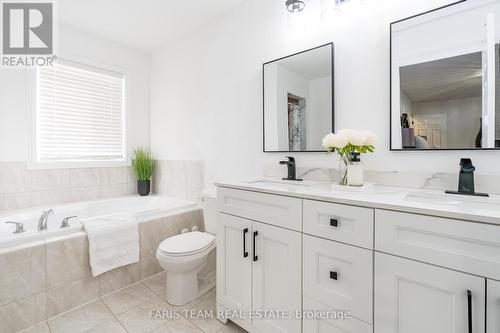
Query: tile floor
[[129, 310]]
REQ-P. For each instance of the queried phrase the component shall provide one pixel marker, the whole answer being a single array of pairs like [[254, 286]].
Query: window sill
[[78, 165]]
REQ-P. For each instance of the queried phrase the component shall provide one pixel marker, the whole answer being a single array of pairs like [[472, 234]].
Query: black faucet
[[466, 179], [291, 169]]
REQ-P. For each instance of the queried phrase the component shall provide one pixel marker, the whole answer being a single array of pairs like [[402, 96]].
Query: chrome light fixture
[[295, 6]]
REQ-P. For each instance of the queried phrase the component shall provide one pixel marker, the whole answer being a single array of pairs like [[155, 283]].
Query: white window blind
[[80, 114]]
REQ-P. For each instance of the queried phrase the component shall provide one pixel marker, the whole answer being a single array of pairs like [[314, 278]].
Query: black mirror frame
[[332, 49]]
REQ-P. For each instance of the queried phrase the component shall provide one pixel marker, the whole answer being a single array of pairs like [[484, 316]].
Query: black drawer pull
[[245, 252], [334, 223], [255, 257], [334, 275], [469, 310]]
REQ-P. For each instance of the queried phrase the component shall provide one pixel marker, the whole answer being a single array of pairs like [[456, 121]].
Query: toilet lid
[[187, 243]]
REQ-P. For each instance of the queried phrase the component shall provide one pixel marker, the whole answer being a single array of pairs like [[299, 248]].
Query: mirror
[[445, 78], [298, 100]]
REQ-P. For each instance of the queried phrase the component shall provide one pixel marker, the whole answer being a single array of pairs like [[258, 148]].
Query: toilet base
[[183, 288]]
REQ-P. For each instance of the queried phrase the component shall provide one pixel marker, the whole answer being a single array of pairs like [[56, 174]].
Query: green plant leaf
[[143, 164]]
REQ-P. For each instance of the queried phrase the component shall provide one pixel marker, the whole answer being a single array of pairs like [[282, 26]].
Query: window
[[79, 115]]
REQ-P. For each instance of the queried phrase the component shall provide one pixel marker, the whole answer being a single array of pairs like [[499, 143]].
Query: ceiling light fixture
[[295, 6]]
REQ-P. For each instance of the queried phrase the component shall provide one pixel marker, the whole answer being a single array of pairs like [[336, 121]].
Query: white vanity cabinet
[[493, 306], [259, 266], [413, 297], [339, 275], [393, 271], [264, 276], [234, 263]]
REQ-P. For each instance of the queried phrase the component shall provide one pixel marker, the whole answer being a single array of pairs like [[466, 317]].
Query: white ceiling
[[146, 25], [444, 79]]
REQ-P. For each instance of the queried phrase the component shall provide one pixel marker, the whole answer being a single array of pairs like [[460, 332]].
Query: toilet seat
[[183, 257], [187, 244]]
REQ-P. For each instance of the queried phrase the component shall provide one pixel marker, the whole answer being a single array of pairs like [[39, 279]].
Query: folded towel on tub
[[113, 241]]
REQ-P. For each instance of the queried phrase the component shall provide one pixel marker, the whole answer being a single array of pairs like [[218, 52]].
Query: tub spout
[[42, 222]]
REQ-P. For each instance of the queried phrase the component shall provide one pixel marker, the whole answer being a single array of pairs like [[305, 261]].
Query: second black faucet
[[291, 169]]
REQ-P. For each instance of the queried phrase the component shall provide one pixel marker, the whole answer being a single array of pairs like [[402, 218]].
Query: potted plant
[[143, 165], [350, 144]]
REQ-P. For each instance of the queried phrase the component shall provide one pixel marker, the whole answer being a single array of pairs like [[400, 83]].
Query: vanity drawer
[[330, 325], [461, 245], [347, 224], [339, 275], [277, 210]]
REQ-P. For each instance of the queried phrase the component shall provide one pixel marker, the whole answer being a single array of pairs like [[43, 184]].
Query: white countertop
[[427, 202]]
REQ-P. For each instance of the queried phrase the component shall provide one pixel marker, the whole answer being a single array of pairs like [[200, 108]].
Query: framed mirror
[[299, 100], [445, 82]]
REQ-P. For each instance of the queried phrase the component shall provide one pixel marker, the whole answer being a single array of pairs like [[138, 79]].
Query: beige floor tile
[[127, 298], [40, 328], [138, 320], [119, 278], [231, 327], [81, 319], [112, 326], [181, 325], [204, 303], [157, 283]]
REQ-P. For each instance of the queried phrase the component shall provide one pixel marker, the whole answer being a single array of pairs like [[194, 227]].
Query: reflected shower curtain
[[297, 127]]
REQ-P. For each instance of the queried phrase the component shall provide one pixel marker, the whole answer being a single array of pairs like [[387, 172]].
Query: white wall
[[206, 92], [15, 97]]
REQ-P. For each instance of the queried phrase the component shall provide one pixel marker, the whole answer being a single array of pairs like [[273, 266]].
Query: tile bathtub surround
[[21, 187], [45, 279], [182, 179]]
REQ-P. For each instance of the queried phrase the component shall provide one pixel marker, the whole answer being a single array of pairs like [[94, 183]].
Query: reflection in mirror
[[443, 92], [298, 100], [439, 93]]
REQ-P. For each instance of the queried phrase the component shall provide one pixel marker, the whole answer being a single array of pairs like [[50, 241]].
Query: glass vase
[[343, 164], [355, 173]]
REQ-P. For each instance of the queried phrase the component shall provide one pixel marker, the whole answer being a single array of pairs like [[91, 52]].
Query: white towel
[[113, 241]]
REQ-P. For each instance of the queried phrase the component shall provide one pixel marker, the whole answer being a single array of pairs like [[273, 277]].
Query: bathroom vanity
[[398, 260]]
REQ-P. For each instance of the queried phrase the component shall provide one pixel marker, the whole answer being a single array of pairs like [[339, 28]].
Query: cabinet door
[[493, 316], [234, 267], [412, 297], [276, 277]]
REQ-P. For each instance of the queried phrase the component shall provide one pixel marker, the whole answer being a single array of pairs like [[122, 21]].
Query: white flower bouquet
[[346, 142]]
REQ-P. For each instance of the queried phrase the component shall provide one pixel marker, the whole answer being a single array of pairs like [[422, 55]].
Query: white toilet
[[183, 257]]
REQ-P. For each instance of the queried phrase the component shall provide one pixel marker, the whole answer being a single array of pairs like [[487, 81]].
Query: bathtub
[[142, 208]]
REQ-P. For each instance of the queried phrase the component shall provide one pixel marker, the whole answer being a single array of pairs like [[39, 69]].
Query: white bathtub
[[142, 208]]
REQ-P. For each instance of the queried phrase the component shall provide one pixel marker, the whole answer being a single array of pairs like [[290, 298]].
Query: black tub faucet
[[291, 169], [466, 179]]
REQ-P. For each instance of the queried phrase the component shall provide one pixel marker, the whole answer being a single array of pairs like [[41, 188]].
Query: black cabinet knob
[[334, 223], [334, 275]]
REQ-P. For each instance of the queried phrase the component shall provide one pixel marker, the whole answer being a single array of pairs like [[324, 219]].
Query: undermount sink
[[454, 200]]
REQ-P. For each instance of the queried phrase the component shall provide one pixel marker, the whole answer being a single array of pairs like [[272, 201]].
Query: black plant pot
[[143, 187]]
